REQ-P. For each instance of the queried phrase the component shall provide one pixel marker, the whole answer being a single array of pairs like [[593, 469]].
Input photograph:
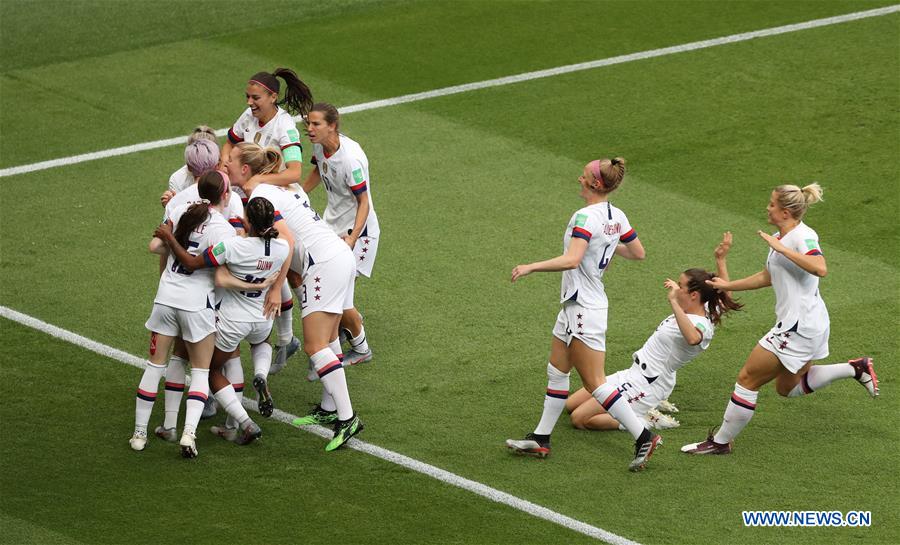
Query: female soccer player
[[188, 174], [253, 259], [343, 167], [593, 236], [800, 335], [183, 307], [327, 268], [697, 308], [266, 123]]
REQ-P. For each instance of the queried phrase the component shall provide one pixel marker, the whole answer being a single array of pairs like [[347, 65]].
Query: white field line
[[498, 82], [388, 455]]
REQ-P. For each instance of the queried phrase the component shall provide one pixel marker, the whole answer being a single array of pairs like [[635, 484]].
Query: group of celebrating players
[[240, 239]]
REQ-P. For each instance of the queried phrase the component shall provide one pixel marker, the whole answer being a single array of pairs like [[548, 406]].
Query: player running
[[697, 308], [326, 266], [254, 259], [800, 335], [342, 166], [268, 122], [593, 236]]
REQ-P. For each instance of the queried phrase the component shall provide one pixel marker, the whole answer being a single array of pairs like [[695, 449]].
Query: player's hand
[[673, 288], [519, 271], [267, 283], [718, 283], [773, 242], [166, 197], [722, 249], [164, 232], [272, 307], [350, 240]]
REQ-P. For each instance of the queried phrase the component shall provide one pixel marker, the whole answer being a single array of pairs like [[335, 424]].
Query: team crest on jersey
[[324, 167], [257, 137], [264, 265]]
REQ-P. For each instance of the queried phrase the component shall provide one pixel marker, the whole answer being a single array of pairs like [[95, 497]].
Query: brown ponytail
[[718, 303]]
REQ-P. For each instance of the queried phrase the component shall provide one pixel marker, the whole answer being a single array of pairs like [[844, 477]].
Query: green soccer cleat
[[318, 416], [343, 431]]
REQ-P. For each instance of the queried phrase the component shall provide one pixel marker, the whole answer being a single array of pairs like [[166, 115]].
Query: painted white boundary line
[[388, 455], [528, 76]]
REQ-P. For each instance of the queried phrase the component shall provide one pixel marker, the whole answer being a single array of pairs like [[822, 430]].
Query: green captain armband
[[292, 153]]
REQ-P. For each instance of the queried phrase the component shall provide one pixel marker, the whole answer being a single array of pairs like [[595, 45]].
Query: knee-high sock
[[234, 372], [197, 395], [331, 373], [738, 413], [174, 390], [820, 376], [229, 401], [359, 343], [261, 354], [617, 406], [554, 400], [146, 395], [327, 402], [285, 321]]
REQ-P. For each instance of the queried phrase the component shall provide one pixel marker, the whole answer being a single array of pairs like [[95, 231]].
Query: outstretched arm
[[565, 262]]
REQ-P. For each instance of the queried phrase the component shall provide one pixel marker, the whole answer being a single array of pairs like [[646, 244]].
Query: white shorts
[[191, 325], [585, 324], [641, 395], [230, 334], [364, 252], [793, 350], [328, 286]]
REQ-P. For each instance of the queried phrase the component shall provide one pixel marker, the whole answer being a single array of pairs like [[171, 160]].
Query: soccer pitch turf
[[466, 186]]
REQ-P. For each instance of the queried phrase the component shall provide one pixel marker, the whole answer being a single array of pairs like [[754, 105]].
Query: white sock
[[327, 402], [234, 372], [820, 376], [554, 400], [146, 395], [261, 354], [608, 396], [174, 390], [738, 413], [229, 401], [335, 347], [359, 343], [331, 373], [284, 323], [196, 399]]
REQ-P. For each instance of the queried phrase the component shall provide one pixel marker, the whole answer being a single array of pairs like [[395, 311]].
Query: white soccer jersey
[[179, 288], [312, 237], [603, 226], [234, 212], [251, 259], [345, 174], [181, 179], [798, 305], [666, 351], [280, 132]]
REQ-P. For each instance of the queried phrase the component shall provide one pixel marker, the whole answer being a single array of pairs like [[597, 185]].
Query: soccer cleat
[[644, 448], [708, 447], [533, 445], [354, 358], [660, 421], [343, 431], [318, 416], [265, 403], [226, 433], [281, 355], [188, 445], [166, 434], [138, 441], [666, 406], [250, 433], [210, 408], [865, 374]]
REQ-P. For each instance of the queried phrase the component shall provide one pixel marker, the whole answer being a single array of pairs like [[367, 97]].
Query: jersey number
[[252, 280], [177, 267], [604, 261]]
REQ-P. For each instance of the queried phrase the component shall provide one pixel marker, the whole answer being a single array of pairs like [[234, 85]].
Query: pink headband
[[225, 179], [264, 86], [594, 167]]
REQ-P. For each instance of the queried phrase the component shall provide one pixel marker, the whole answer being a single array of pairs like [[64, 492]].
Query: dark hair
[[211, 187], [261, 215], [297, 96], [332, 117], [717, 302]]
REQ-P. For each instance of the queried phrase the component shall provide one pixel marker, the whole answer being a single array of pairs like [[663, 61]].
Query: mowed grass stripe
[[498, 82], [355, 444]]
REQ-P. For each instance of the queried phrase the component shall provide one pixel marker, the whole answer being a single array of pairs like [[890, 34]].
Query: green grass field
[[466, 186]]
